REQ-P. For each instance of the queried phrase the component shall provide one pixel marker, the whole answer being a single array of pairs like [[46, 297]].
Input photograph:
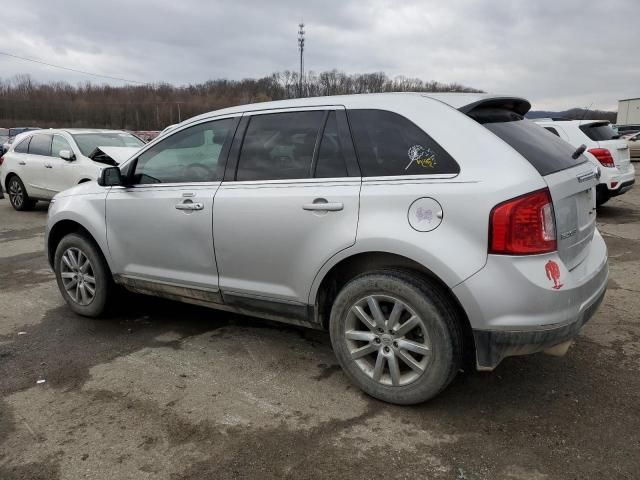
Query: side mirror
[[111, 177], [67, 155]]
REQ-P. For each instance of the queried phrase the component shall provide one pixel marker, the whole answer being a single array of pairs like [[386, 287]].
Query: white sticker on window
[[423, 156]]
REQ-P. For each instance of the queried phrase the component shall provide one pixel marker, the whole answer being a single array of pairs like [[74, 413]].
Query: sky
[[558, 54]]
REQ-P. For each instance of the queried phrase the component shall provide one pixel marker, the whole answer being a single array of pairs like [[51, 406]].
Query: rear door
[[289, 202], [606, 136], [38, 174], [571, 181]]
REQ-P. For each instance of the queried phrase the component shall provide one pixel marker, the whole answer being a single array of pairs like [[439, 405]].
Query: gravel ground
[[168, 391]]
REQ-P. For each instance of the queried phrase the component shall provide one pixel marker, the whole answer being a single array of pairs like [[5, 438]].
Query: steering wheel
[[200, 171]]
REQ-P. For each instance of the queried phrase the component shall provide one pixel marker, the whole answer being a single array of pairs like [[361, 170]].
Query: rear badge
[[425, 214], [568, 234], [553, 273]]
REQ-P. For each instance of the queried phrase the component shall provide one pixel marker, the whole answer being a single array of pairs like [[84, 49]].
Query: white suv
[[41, 163], [365, 215], [604, 148]]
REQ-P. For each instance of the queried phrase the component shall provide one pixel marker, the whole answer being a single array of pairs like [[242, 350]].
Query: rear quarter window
[[546, 153], [389, 144]]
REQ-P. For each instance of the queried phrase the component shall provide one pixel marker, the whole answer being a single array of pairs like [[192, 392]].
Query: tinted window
[[23, 146], [390, 144], [59, 143], [40, 145], [599, 131], [190, 155], [546, 153], [279, 146], [331, 160], [88, 142], [552, 130]]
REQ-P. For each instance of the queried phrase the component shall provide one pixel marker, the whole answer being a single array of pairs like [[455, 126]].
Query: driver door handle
[[190, 206], [321, 205], [22, 162], [48, 165]]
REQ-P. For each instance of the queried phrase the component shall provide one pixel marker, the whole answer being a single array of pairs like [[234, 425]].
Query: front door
[[290, 204], [159, 229]]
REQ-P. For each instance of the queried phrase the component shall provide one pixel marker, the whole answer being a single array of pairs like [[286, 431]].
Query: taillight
[[603, 155], [1, 160], [524, 225]]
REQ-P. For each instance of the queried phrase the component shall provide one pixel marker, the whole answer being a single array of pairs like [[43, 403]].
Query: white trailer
[[628, 111]]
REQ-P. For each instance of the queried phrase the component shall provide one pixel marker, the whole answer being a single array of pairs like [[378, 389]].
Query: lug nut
[[377, 340], [395, 344], [386, 349]]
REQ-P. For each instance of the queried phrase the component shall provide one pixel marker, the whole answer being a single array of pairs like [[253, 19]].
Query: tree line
[[25, 102]]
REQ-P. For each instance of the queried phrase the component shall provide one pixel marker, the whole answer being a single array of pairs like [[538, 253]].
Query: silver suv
[[418, 229]]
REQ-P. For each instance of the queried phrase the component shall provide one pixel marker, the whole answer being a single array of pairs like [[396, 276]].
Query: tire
[[96, 276], [436, 328], [18, 196], [602, 195]]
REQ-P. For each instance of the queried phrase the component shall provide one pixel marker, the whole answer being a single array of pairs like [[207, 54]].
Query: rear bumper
[[515, 308], [622, 188], [622, 180]]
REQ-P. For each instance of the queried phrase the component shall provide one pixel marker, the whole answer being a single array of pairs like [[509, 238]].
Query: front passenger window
[[190, 155], [59, 143]]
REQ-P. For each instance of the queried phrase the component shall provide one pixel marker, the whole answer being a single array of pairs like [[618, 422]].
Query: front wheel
[[83, 276], [396, 336], [18, 196]]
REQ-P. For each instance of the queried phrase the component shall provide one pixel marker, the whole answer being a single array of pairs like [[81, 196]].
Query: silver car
[[418, 229]]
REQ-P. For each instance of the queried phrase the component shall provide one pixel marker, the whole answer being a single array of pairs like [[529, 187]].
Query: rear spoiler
[[513, 104]]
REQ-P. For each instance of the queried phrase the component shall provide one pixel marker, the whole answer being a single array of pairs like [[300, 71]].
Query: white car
[[41, 163], [604, 149]]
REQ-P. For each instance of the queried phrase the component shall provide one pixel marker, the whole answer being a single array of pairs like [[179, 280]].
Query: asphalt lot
[[165, 391]]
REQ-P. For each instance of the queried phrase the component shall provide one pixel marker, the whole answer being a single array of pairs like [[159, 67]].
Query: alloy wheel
[[387, 340], [16, 193], [77, 275]]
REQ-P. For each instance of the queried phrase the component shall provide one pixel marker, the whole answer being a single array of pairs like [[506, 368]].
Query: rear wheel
[[83, 276], [396, 336], [18, 195], [602, 195]]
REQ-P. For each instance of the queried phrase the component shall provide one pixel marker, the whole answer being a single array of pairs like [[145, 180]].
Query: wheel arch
[[62, 228], [350, 267]]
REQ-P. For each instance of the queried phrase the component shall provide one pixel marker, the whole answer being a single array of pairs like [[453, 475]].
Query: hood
[[112, 155], [86, 188]]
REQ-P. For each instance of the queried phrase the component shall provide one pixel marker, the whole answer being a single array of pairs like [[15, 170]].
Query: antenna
[[584, 114], [301, 49]]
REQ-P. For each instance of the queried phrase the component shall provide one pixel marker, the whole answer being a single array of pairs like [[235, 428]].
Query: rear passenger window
[[331, 161], [40, 145], [279, 146], [23, 146], [389, 144]]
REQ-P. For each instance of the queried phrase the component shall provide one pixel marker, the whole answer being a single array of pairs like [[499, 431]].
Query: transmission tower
[[301, 49]]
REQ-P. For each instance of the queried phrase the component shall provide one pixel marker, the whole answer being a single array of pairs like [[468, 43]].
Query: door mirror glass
[[67, 155], [111, 177]]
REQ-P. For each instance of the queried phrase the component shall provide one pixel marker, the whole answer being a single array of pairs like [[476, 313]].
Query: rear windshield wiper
[[579, 151]]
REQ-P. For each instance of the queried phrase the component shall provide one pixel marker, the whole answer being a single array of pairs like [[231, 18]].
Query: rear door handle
[[190, 206], [22, 163], [321, 205], [48, 165]]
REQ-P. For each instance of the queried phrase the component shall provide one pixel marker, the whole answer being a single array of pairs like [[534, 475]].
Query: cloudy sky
[[558, 53]]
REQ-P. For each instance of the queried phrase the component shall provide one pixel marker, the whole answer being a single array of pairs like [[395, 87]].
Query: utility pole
[[301, 48]]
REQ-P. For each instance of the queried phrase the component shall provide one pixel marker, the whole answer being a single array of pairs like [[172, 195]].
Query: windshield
[[546, 152], [88, 142], [599, 131]]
